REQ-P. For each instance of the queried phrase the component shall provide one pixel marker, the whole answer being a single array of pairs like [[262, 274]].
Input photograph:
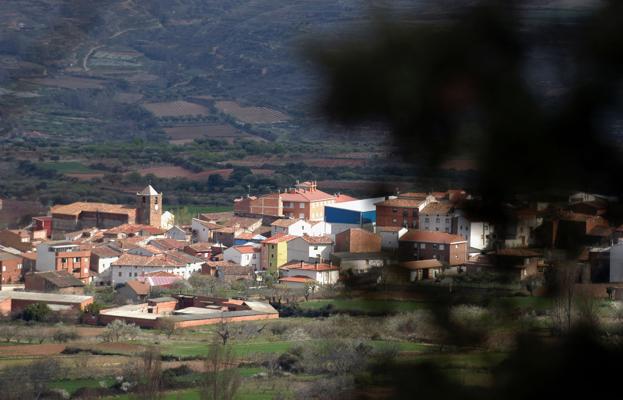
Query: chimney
[[301, 263]]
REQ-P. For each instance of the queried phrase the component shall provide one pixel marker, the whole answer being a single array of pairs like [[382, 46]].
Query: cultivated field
[[69, 82], [251, 115], [188, 133], [177, 108], [173, 171]]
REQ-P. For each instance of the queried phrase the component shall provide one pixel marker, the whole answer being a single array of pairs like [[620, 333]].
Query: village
[[300, 254]]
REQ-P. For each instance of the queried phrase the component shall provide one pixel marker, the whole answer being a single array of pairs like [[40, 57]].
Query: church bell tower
[[149, 207]]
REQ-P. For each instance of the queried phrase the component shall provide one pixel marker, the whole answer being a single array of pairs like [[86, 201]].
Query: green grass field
[[364, 305], [201, 349]]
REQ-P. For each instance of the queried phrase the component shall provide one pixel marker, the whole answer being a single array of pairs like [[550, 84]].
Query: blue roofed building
[[351, 214]]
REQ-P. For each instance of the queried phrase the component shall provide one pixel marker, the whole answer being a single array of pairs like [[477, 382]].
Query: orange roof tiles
[[406, 203], [278, 238], [325, 239], [79, 207], [284, 222], [147, 261], [309, 266], [421, 264], [306, 196], [437, 208], [341, 198], [247, 249]]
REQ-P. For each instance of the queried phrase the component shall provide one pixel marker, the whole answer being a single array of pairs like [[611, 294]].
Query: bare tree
[[223, 331], [29, 381], [149, 383], [565, 277], [221, 378], [167, 326]]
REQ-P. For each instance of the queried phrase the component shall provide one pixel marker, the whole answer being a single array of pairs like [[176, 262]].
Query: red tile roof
[[421, 264], [341, 198], [278, 238], [405, 203], [284, 222], [431, 237], [437, 208], [309, 266], [140, 288], [75, 209], [306, 196], [325, 239], [148, 261], [247, 249]]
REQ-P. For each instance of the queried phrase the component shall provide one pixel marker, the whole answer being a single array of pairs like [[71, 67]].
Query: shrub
[[36, 312]]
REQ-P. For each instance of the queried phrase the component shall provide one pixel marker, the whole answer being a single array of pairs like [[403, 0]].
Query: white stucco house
[[244, 255], [298, 274], [310, 248], [290, 226], [130, 266]]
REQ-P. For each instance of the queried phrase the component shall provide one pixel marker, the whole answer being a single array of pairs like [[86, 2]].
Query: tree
[[29, 381], [223, 331], [167, 326], [149, 383], [36, 312], [565, 276], [221, 379], [8, 332], [117, 330]]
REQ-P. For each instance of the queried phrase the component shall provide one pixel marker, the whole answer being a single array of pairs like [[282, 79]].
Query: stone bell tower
[[149, 207]]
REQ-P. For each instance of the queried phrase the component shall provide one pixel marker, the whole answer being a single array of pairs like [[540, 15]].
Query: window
[[120, 273], [426, 219], [447, 220], [435, 246], [456, 246], [394, 220], [437, 220], [302, 205], [86, 270], [4, 268], [315, 247], [301, 215], [442, 247], [405, 213], [63, 260], [394, 210], [19, 266], [422, 245]]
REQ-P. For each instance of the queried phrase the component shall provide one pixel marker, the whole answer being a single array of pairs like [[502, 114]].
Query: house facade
[[274, 252], [310, 248], [402, 211], [64, 256], [425, 245], [308, 273], [10, 268], [356, 240], [244, 256]]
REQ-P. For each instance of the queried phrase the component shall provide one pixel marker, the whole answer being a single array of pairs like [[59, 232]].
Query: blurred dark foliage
[[459, 87]]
